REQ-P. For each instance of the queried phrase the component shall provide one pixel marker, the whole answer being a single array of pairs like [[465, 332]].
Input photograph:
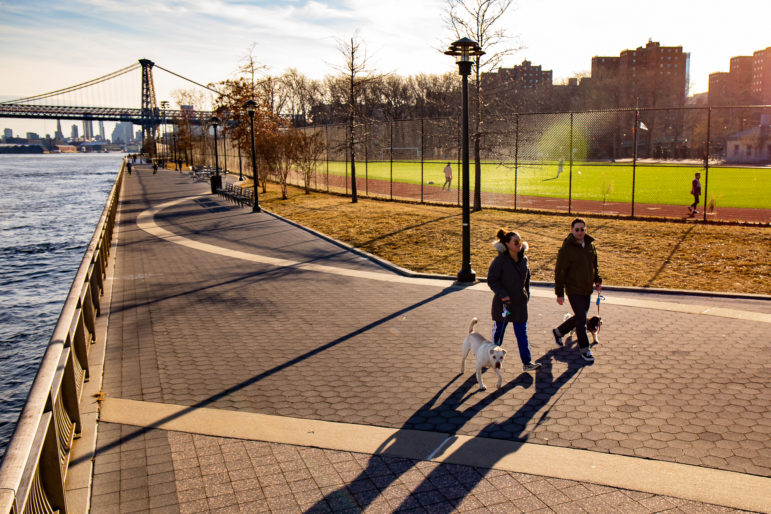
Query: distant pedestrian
[[128, 167], [509, 278], [560, 166], [696, 192], [576, 273], [155, 168], [447, 177]]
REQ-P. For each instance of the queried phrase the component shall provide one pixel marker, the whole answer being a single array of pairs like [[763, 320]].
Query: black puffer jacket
[[576, 271], [507, 277]]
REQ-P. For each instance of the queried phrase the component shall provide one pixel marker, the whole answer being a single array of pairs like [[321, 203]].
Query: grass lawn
[[612, 182], [427, 238]]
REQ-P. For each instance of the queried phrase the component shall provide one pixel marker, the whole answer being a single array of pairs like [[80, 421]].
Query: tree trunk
[[477, 175]]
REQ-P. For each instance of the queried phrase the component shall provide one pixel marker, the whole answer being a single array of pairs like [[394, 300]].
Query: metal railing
[[34, 469]]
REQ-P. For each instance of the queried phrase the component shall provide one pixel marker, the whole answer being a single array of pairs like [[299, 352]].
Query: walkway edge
[[726, 488]]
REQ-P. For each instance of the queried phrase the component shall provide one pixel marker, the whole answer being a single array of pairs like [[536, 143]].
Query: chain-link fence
[[623, 162]]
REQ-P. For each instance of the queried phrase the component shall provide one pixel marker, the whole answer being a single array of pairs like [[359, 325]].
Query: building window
[[749, 150], [736, 149]]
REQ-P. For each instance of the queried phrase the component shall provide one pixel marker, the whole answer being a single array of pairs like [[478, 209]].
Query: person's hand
[[560, 300]]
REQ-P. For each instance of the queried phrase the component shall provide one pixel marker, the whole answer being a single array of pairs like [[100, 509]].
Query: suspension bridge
[[68, 103]]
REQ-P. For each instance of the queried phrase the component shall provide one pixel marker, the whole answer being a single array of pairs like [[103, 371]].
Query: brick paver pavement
[[190, 327]]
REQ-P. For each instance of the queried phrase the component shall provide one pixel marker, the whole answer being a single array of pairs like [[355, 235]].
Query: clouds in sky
[[46, 45]]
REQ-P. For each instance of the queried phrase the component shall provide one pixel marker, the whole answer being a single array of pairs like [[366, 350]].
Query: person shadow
[[435, 426], [425, 430], [455, 488]]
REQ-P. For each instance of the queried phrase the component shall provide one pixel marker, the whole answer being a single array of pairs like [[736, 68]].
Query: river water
[[49, 207]]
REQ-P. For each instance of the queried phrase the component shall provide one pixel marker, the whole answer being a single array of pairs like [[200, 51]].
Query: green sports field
[[611, 182]]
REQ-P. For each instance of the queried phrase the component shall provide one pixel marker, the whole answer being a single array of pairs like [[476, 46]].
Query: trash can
[[216, 183]]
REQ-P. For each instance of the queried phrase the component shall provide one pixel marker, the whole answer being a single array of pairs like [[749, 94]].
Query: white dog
[[487, 354]]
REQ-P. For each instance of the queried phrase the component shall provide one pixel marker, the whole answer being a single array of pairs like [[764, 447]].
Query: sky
[[47, 45]]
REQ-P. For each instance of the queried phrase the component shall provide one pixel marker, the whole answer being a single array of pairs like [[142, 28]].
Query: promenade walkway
[[254, 366]]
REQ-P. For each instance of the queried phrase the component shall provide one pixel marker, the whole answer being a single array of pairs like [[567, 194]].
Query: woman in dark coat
[[509, 279]]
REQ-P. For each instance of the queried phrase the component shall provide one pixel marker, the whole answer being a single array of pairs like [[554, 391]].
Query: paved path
[[252, 365]]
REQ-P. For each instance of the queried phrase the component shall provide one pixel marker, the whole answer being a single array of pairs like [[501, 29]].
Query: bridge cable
[[82, 85], [190, 80]]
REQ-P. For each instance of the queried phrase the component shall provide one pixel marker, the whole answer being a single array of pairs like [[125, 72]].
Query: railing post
[[391, 155], [422, 127]]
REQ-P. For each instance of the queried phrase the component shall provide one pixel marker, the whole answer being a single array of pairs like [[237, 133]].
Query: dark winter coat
[[576, 271], [507, 277]]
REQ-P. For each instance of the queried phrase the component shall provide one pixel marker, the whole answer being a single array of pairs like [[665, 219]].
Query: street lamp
[[164, 138], [464, 49], [216, 180], [251, 106]]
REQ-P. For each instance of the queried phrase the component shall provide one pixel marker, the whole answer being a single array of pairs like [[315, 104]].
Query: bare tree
[[357, 76], [479, 20]]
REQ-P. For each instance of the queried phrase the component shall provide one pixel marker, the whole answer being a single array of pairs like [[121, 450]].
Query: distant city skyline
[[44, 47]]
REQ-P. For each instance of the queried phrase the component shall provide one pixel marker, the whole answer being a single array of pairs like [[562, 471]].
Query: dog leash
[[599, 299]]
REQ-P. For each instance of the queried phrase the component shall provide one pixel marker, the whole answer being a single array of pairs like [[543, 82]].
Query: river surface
[[49, 207]]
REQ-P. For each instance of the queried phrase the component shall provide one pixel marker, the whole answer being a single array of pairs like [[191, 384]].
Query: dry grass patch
[[427, 238]]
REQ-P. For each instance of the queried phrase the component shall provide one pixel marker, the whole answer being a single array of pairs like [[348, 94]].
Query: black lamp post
[[251, 106], [464, 49], [216, 180]]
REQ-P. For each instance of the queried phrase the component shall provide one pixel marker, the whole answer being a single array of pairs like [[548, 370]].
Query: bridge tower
[[150, 112]]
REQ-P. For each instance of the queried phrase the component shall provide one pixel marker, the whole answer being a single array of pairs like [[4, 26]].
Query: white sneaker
[[587, 355]]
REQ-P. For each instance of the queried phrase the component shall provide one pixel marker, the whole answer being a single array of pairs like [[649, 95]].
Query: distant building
[[101, 130], [750, 146], [74, 132], [649, 76], [747, 82], [59, 136], [88, 130], [523, 76], [121, 134], [33, 136], [7, 133]]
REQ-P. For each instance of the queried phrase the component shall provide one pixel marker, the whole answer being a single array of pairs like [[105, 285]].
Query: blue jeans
[[520, 332]]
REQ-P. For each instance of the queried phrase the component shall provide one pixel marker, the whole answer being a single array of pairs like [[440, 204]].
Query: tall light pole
[[251, 106], [216, 181], [463, 50], [164, 106]]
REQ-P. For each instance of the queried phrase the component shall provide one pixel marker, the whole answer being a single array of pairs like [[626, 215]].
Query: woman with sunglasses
[[509, 279], [577, 274]]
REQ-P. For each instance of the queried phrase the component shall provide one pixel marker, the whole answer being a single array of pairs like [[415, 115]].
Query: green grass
[[612, 182]]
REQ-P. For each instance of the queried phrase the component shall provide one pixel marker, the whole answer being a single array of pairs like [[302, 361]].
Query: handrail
[[34, 469]]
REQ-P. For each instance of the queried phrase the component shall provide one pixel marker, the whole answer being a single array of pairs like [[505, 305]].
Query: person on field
[[576, 274], [447, 177], [560, 166], [696, 192], [509, 278]]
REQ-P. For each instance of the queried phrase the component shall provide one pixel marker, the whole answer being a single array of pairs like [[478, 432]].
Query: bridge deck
[[252, 365]]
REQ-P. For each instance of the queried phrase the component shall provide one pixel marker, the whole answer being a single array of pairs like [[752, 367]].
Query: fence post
[[634, 153], [706, 162], [326, 137], [347, 153], [391, 155], [516, 157], [421, 158], [570, 184], [366, 160]]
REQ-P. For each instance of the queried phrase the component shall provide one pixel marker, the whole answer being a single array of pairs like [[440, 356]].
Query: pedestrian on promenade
[[696, 192], [155, 167], [128, 167], [509, 278], [447, 177], [576, 272]]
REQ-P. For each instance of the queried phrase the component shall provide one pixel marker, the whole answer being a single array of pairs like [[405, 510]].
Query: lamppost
[[251, 106], [164, 138], [464, 49], [216, 180]]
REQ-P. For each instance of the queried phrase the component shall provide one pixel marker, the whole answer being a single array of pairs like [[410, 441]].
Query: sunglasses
[[579, 229]]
